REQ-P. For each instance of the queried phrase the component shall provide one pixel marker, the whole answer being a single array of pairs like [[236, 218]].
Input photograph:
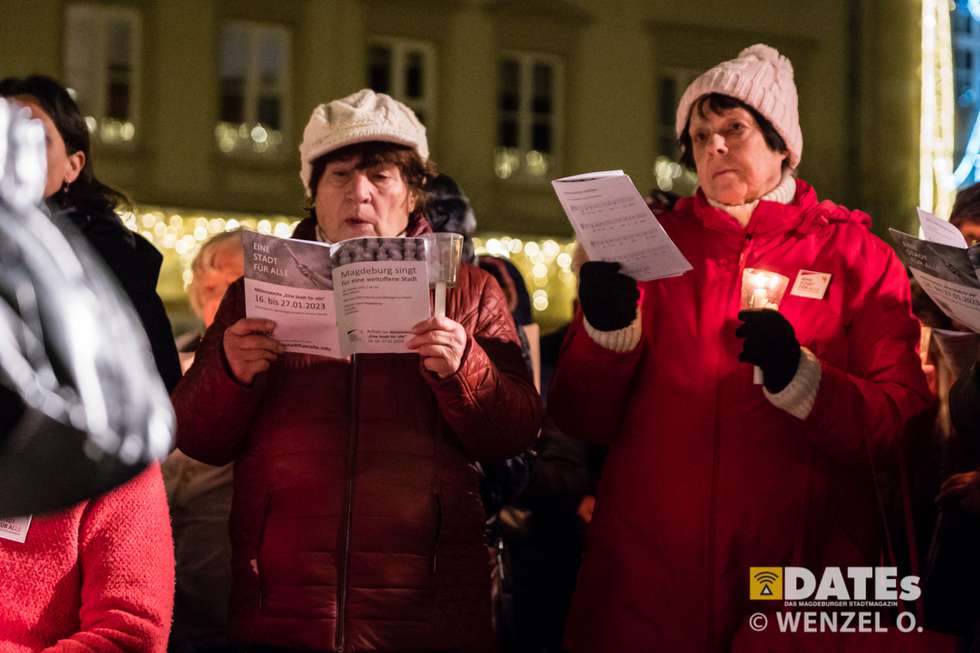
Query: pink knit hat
[[763, 79]]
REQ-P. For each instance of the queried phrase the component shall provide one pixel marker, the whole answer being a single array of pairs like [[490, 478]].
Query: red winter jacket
[[407, 568], [97, 577], [705, 477]]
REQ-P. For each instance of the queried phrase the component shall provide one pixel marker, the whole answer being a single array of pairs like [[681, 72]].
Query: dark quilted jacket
[[417, 574]]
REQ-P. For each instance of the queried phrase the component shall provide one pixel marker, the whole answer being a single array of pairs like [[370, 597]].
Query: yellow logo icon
[[765, 583]]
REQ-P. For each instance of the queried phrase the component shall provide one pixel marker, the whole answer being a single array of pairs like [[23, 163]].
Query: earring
[[66, 187]]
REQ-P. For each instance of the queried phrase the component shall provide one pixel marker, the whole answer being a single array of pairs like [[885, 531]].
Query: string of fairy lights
[[936, 127], [545, 264]]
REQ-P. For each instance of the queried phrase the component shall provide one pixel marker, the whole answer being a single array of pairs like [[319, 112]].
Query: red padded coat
[[388, 555], [705, 477]]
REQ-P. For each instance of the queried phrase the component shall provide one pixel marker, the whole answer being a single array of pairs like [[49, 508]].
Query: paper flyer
[[947, 273], [358, 296], [289, 282], [382, 291], [614, 223], [937, 230]]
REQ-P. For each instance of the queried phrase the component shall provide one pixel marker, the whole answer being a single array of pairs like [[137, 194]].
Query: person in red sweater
[[95, 578]]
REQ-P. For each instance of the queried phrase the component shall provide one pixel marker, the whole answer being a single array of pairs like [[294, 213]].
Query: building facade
[[200, 104]]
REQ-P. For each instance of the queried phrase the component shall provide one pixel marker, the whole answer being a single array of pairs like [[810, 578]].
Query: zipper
[[712, 509], [715, 463], [435, 544], [352, 432], [258, 550], [746, 246]]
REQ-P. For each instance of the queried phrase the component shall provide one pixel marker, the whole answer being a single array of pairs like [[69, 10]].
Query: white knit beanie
[[359, 118], [761, 78]]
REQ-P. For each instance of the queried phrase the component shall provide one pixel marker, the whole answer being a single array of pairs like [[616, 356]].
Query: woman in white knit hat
[[709, 474], [356, 521]]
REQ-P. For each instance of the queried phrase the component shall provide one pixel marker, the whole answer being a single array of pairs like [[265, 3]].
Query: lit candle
[[762, 290]]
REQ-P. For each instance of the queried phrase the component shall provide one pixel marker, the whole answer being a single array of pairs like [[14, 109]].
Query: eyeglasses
[[381, 176], [734, 131]]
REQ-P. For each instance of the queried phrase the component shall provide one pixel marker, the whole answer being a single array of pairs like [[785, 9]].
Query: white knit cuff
[[621, 340], [798, 397]]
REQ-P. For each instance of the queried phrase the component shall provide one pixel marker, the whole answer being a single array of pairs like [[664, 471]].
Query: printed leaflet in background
[[614, 223], [946, 273], [936, 230]]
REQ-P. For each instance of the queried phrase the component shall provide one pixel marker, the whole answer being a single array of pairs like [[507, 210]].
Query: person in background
[[963, 489], [74, 192], [448, 209], [709, 474], [949, 350], [952, 570], [219, 263], [97, 576], [531, 498], [356, 521], [513, 285], [945, 478], [965, 215], [200, 494]]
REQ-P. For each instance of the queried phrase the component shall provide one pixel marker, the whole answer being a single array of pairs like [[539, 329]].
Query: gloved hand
[[608, 297], [770, 343]]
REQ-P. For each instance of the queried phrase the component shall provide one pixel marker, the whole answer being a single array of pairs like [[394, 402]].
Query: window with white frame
[[405, 70], [529, 110], [253, 111], [102, 66]]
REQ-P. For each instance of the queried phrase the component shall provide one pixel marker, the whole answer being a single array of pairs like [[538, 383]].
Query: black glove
[[608, 297], [771, 344]]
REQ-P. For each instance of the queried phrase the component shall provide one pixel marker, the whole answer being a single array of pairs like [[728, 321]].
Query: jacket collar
[[802, 215]]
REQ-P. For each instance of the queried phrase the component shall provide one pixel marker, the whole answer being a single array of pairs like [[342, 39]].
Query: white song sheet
[[614, 223], [937, 230]]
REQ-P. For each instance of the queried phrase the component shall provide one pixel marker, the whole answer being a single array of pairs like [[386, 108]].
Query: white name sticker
[[811, 284], [14, 528]]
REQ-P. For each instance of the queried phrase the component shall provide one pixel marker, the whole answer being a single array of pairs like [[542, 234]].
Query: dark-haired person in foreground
[[356, 520], [98, 576], [709, 474], [73, 191]]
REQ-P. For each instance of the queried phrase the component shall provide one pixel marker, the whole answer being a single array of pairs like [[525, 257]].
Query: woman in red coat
[[709, 474], [382, 549]]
